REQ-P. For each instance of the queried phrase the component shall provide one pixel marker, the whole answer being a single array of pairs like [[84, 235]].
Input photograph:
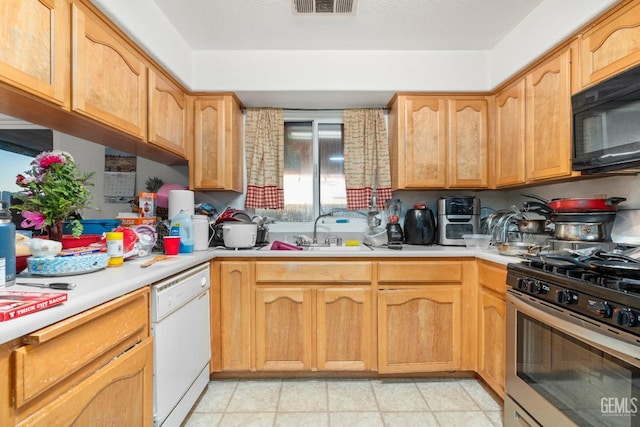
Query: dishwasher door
[[180, 329]]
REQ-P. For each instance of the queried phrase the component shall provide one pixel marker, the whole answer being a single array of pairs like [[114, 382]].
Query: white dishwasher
[[181, 343]]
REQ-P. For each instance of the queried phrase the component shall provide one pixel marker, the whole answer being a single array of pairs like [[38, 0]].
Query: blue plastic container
[[92, 226]]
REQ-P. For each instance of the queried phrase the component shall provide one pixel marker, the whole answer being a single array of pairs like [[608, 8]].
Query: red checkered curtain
[[264, 151], [366, 157]]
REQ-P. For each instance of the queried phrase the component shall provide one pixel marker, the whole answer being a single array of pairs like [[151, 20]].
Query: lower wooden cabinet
[[94, 368], [419, 329], [492, 324], [235, 316]]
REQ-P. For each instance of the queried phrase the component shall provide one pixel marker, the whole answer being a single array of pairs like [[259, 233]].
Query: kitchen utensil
[[238, 235], [581, 231], [616, 268], [376, 237], [579, 204], [477, 241], [171, 245], [394, 229], [517, 248], [153, 261], [419, 226], [604, 217], [54, 285], [533, 226]]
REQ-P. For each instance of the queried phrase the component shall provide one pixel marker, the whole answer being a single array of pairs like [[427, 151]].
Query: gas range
[[612, 300]]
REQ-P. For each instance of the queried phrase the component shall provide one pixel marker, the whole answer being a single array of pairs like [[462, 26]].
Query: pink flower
[[47, 161], [33, 219]]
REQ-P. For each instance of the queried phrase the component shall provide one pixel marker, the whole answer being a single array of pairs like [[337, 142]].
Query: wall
[[90, 157]]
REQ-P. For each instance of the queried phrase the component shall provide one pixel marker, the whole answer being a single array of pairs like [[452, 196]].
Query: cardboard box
[[147, 204]]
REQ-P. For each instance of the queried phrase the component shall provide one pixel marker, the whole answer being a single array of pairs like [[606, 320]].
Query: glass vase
[[55, 231]]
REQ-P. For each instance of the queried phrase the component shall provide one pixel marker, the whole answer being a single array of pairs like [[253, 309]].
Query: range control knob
[[522, 283], [601, 307], [566, 297], [625, 317], [535, 287]]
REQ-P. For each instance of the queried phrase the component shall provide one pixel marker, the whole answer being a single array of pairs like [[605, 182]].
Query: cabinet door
[[235, 295], [419, 329], [217, 160], [548, 110], [34, 53], [611, 46], [468, 143], [109, 79], [167, 114], [492, 334], [419, 154], [344, 329], [510, 135], [119, 394], [283, 329]]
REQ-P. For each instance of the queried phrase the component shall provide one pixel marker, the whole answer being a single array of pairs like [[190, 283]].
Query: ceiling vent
[[324, 7]]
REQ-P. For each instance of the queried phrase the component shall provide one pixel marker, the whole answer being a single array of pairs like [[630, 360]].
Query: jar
[[115, 248]]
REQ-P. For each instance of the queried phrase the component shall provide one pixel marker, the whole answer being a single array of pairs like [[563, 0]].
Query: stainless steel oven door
[[564, 369]]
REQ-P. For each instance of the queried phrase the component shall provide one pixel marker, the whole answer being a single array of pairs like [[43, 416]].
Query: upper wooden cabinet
[[34, 52], [439, 142], [548, 118], [611, 46], [509, 138], [168, 127], [109, 78], [218, 144]]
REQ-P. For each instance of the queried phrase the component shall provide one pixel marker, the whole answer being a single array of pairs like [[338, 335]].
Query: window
[[313, 167]]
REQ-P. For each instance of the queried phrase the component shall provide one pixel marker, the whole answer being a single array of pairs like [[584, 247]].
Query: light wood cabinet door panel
[[468, 143], [419, 330], [109, 79], [167, 114], [492, 333], [283, 329], [235, 296], [510, 135], [344, 329], [313, 272], [611, 46], [35, 48], [120, 394], [548, 118], [217, 160]]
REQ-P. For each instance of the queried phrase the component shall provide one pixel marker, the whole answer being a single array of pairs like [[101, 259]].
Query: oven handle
[[588, 332]]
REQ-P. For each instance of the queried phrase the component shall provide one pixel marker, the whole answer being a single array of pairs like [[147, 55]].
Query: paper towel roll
[[181, 200]]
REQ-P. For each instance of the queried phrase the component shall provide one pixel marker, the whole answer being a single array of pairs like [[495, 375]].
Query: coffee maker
[[394, 230], [457, 216]]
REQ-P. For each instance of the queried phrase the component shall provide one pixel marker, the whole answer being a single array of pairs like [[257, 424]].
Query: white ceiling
[[377, 24]]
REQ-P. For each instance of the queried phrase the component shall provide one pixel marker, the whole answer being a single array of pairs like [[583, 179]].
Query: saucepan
[[581, 231], [532, 226]]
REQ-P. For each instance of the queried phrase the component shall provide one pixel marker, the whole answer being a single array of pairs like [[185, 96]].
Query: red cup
[[171, 245]]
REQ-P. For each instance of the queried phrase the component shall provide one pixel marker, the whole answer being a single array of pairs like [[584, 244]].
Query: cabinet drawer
[[412, 271], [311, 272], [73, 349], [492, 276]]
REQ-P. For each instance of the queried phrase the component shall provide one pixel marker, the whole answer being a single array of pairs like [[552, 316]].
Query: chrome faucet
[[315, 226]]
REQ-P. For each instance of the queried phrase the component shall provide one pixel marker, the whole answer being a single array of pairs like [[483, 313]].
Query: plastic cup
[[171, 245]]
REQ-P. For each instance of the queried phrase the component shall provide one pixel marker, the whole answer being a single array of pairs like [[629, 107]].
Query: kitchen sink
[[338, 248]]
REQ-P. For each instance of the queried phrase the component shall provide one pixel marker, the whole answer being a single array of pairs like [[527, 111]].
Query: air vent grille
[[324, 7]]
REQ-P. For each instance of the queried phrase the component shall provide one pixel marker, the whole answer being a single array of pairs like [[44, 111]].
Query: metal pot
[[581, 231], [532, 226], [517, 248]]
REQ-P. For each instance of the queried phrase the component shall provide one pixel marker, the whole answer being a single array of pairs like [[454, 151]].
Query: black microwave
[[606, 125]]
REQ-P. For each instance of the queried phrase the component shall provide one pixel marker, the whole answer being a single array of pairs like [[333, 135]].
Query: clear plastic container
[[477, 241]]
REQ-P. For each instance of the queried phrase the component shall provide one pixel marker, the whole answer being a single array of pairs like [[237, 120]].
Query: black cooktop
[[606, 298]]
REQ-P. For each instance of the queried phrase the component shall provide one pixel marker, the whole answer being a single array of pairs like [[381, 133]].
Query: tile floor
[[342, 402]]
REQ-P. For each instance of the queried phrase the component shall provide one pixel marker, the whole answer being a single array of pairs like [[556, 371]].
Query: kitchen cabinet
[[492, 279], [94, 368], [439, 141], [313, 316], [420, 311], [35, 49], [509, 139], [109, 78], [611, 45], [548, 118], [218, 149], [236, 315], [168, 118]]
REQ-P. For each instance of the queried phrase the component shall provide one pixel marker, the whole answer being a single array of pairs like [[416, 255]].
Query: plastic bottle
[[115, 248], [182, 225], [200, 232], [7, 247]]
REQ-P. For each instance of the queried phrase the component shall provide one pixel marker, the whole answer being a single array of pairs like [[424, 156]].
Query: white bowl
[[477, 241]]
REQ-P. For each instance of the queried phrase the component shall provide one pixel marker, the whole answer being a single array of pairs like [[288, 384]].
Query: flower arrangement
[[54, 189]]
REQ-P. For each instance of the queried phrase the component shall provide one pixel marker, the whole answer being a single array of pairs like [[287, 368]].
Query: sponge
[[352, 243]]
